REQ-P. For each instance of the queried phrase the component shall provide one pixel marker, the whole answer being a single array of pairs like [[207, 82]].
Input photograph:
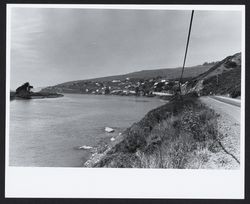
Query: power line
[[190, 26]]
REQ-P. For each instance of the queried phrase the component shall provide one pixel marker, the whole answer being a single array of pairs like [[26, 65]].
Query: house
[[162, 93], [115, 81]]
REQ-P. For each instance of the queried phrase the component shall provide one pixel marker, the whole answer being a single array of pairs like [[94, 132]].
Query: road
[[222, 105], [229, 129]]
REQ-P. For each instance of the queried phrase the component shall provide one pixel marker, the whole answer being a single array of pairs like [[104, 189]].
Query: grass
[[182, 141], [226, 83], [180, 134]]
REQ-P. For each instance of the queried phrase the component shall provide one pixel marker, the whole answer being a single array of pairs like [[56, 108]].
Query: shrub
[[230, 64], [236, 93]]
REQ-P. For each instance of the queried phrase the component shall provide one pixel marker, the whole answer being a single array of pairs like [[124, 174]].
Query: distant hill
[[223, 78], [168, 73]]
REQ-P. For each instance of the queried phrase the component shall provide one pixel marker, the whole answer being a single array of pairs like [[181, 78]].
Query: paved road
[[232, 110], [229, 126], [232, 101]]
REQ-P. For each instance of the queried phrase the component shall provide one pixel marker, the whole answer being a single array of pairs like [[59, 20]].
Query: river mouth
[[47, 132]]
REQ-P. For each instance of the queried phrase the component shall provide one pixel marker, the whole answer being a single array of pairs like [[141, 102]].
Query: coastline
[[34, 95]]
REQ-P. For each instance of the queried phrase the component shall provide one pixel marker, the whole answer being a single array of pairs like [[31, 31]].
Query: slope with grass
[[168, 73], [224, 78], [184, 133], [180, 134]]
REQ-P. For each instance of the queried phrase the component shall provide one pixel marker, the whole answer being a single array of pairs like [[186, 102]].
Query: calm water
[[44, 132]]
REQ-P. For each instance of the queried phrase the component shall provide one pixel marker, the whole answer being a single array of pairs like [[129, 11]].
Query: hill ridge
[[149, 72]]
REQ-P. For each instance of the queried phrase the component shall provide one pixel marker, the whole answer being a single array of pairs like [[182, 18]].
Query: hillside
[[224, 78], [219, 78], [181, 134], [168, 73], [127, 81]]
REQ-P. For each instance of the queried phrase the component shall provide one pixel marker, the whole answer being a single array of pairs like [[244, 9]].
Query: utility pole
[[185, 56]]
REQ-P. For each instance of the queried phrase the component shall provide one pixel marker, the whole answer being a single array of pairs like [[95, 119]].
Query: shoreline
[[34, 95], [162, 99]]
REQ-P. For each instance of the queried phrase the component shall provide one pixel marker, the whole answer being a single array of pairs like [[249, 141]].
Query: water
[[44, 132]]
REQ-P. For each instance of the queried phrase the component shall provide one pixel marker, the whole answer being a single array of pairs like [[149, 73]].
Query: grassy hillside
[[221, 79], [170, 73], [225, 83], [183, 133], [179, 134]]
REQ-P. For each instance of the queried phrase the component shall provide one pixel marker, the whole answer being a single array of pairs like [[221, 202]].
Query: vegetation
[[179, 134], [224, 78], [226, 83]]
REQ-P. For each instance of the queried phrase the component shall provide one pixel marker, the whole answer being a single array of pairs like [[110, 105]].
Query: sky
[[49, 46]]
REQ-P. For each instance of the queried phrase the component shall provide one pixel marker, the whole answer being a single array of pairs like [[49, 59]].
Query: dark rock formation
[[24, 91]]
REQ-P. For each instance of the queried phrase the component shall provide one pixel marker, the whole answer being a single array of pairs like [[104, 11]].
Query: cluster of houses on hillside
[[129, 86]]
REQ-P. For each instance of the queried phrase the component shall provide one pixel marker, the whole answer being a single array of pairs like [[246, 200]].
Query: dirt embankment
[[180, 134]]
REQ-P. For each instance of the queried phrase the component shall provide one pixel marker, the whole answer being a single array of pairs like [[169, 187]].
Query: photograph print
[[124, 88]]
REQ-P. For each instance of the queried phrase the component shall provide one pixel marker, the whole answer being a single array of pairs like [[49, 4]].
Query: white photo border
[[49, 182]]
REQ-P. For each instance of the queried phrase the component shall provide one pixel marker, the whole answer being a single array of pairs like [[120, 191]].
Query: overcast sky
[[51, 46]]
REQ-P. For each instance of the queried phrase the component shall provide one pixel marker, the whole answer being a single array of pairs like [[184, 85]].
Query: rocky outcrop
[[24, 92]]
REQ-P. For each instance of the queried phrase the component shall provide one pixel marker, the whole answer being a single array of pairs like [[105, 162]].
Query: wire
[[190, 26]]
